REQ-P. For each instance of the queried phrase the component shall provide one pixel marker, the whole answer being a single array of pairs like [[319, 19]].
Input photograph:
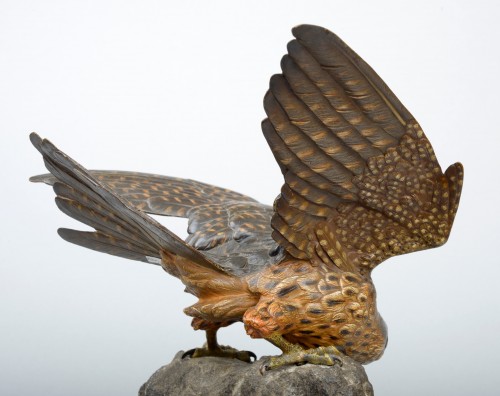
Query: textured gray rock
[[221, 376]]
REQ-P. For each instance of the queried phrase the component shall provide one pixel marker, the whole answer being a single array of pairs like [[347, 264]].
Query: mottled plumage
[[231, 229], [362, 184]]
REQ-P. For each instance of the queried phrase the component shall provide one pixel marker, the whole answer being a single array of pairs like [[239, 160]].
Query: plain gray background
[[176, 88]]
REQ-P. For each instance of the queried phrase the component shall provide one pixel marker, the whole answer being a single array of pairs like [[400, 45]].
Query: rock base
[[221, 376]]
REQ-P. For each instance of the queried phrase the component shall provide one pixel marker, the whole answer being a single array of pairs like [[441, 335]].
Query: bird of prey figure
[[361, 184]]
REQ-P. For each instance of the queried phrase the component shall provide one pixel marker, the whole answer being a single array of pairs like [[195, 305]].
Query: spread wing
[[362, 182], [231, 229]]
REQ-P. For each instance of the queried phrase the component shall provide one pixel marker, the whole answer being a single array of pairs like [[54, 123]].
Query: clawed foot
[[221, 351], [328, 356]]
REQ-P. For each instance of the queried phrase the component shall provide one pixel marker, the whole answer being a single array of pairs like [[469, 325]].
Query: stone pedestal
[[219, 376]]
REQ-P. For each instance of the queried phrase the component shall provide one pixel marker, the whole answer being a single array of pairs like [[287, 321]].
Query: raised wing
[[362, 182], [231, 229]]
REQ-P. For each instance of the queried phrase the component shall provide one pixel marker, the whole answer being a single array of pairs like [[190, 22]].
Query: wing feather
[[356, 78], [338, 98], [362, 182], [160, 195], [229, 228]]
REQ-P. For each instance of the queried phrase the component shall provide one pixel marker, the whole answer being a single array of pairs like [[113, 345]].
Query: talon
[[252, 355], [188, 353], [294, 354]]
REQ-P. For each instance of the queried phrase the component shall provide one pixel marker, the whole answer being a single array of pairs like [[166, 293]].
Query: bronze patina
[[362, 184]]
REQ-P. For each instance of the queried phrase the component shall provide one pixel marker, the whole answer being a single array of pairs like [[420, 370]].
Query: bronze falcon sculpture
[[362, 184]]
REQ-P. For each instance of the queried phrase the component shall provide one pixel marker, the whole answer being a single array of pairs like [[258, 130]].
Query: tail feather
[[101, 224], [147, 231], [106, 244], [94, 215]]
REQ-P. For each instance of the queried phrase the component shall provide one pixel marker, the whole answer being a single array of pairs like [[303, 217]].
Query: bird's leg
[[295, 354], [212, 348]]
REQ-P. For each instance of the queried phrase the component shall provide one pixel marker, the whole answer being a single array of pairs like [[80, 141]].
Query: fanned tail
[[120, 228]]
